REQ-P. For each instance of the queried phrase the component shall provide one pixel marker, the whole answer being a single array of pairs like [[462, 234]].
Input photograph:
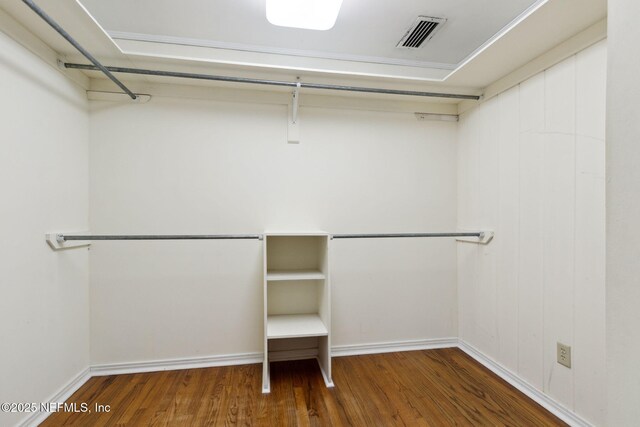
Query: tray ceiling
[[365, 31], [200, 36]]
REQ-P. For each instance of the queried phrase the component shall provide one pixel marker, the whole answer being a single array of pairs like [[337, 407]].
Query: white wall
[[188, 166], [44, 300], [623, 211], [531, 166]]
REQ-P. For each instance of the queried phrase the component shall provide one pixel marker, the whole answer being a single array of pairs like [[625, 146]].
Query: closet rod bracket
[[57, 241], [296, 103], [484, 238], [293, 128]]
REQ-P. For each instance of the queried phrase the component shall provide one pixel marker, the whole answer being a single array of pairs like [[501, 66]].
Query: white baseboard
[[175, 364], [536, 395], [61, 395], [337, 351], [390, 347], [277, 356]]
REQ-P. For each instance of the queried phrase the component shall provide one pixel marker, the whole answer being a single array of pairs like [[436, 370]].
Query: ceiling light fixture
[[307, 14]]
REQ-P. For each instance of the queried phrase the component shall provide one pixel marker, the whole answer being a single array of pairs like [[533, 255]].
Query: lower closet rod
[[376, 236], [64, 237]]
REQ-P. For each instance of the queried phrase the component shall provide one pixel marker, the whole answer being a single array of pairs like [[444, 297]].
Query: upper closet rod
[[67, 36], [273, 82]]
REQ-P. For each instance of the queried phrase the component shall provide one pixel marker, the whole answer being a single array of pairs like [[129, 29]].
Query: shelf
[[279, 275], [296, 233], [295, 326]]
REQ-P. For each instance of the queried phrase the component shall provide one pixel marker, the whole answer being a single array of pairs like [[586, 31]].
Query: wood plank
[[530, 249], [488, 190], [418, 388], [467, 254], [559, 102], [589, 361], [558, 235], [506, 238]]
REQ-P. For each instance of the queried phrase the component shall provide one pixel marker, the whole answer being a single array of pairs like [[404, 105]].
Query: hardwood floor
[[419, 388]]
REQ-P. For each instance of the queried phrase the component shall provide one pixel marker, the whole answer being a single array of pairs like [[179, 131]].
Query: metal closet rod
[[271, 82], [98, 66], [393, 235], [65, 237]]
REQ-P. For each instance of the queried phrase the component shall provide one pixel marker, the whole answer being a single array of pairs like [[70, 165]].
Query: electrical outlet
[[564, 355]]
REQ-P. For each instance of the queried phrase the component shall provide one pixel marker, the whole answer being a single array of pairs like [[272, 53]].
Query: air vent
[[421, 31]]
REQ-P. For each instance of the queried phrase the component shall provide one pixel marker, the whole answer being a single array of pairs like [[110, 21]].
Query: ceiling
[[365, 31], [481, 41]]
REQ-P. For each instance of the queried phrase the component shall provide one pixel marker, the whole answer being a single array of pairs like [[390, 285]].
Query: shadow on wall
[[36, 80]]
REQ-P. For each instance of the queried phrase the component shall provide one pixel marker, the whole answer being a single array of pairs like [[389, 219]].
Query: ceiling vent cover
[[421, 31]]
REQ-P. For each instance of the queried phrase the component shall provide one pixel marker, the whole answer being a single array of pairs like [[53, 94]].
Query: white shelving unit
[[297, 300]]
